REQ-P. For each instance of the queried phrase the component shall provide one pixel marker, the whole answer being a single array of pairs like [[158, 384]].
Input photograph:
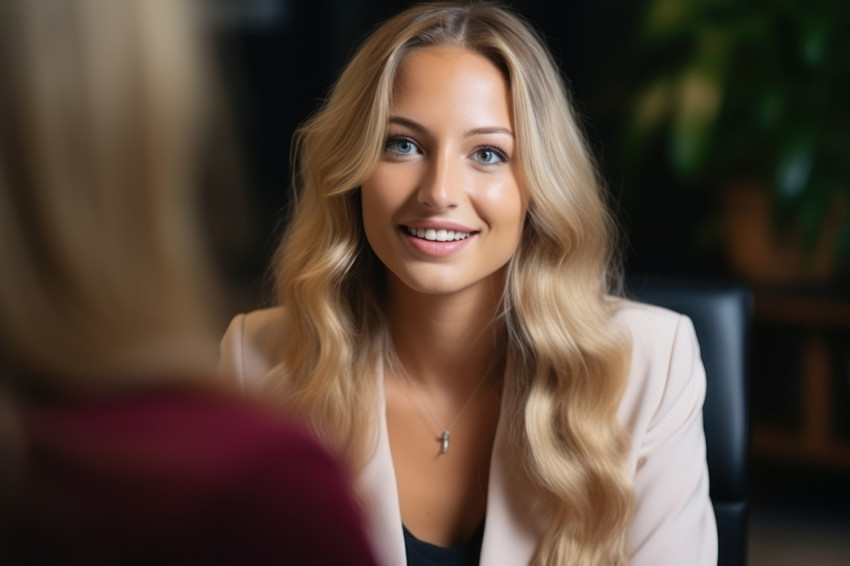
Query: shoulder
[[280, 490], [256, 327], [661, 409], [251, 344], [655, 333], [203, 434], [639, 318], [665, 372], [180, 469]]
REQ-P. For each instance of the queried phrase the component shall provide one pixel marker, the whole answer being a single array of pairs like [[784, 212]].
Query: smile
[[436, 235], [438, 241]]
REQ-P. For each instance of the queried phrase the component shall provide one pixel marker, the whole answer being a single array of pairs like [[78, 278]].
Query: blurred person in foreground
[[116, 442]]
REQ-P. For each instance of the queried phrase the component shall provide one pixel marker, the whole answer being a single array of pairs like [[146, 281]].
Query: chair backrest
[[721, 315]]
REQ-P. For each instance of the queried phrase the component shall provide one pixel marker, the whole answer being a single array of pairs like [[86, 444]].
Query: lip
[[435, 248]]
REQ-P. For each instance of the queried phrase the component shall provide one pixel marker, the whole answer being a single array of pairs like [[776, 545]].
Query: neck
[[446, 341]]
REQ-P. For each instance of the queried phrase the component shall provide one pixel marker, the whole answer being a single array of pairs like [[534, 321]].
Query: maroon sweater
[[178, 477]]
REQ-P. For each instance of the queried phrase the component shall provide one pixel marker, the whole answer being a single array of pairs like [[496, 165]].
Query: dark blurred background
[[722, 131]]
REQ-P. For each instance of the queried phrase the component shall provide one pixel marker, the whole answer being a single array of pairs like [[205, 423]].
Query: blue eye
[[400, 146], [490, 156]]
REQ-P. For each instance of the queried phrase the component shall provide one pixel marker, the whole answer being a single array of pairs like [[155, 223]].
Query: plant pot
[[758, 252]]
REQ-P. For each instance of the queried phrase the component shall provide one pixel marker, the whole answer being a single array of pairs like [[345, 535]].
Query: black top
[[421, 553]]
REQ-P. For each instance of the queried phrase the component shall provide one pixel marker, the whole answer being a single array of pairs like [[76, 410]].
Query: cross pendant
[[444, 440]]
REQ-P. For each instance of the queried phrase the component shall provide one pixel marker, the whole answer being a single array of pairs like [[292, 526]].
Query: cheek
[[379, 201], [383, 191], [372, 212], [506, 206]]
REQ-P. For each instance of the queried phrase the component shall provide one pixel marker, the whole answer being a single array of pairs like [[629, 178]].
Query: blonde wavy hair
[[104, 287], [566, 362]]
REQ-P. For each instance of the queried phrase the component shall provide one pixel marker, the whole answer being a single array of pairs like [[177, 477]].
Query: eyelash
[[397, 140], [503, 156], [394, 140]]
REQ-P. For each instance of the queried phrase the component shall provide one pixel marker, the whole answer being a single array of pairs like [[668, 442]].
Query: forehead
[[453, 79]]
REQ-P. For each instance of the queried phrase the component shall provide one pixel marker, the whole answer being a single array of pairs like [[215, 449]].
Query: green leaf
[[817, 27], [700, 95], [794, 167], [666, 19], [653, 106]]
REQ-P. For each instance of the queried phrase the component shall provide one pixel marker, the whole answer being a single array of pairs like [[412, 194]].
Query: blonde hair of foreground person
[[99, 124], [566, 366], [103, 107]]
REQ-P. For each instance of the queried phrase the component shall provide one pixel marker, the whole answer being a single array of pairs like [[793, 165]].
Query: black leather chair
[[721, 315]]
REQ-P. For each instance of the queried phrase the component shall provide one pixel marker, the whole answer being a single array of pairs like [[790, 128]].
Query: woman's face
[[443, 208]]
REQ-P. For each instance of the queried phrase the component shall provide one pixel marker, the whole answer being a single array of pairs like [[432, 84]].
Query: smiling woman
[[446, 323]]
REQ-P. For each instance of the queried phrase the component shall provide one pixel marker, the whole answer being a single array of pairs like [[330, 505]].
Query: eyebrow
[[490, 130], [413, 125]]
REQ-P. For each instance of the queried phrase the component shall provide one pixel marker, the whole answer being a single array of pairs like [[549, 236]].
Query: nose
[[441, 188]]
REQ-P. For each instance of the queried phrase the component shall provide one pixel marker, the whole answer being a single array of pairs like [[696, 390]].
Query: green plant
[[746, 89]]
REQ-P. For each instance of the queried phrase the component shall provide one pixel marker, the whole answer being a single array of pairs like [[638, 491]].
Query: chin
[[441, 283], [432, 287]]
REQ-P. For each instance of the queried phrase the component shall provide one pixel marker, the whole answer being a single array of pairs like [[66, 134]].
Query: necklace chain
[[445, 435]]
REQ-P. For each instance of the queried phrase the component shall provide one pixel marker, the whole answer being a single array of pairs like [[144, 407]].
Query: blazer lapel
[[377, 486], [515, 517]]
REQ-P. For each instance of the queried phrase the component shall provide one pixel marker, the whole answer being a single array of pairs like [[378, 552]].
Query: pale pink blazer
[[674, 522]]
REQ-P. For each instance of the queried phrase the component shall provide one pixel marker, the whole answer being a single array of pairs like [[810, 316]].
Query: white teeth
[[437, 235]]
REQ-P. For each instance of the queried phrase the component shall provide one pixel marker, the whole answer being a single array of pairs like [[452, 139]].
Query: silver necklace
[[446, 433]]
